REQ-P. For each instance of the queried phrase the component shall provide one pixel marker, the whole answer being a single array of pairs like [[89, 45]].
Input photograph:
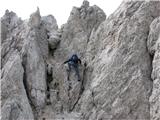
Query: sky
[[60, 9]]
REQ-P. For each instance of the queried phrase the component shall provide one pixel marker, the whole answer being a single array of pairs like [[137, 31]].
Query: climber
[[73, 63]]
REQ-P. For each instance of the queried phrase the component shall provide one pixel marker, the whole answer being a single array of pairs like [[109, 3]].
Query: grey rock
[[154, 49], [35, 19], [53, 34], [49, 23], [10, 41], [153, 35], [74, 36], [119, 85], [14, 102], [54, 40], [35, 69], [29, 38], [119, 71]]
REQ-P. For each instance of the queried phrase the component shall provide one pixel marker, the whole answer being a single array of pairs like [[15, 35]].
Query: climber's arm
[[66, 61]]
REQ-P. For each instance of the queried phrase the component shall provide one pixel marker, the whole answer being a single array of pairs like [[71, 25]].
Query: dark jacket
[[74, 59]]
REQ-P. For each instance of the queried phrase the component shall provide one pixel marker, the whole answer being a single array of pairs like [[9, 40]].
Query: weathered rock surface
[[154, 49], [119, 72], [120, 82], [14, 101], [74, 38], [30, 39]]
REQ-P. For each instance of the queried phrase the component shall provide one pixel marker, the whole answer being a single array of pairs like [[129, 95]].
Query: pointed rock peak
[[7, 11], [85, 4], [10, 20], [38, 11], [9, 14], [35, 18]]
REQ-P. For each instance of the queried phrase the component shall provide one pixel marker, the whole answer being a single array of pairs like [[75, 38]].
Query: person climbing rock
[[73, 63]]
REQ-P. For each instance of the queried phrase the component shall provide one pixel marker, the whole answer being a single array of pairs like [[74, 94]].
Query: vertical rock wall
[[119, 71], [154, 49]]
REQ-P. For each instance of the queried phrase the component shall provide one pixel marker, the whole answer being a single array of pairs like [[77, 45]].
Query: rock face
[[14, 101], [119, 71], [27, 41], [15, 104], [154, 48], [74, 38], [120, 84]]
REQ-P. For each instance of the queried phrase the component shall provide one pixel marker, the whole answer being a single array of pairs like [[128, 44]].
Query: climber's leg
[[69, 70], [77, 72]]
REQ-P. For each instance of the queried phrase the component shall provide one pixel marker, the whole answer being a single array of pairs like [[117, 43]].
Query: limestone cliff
[[120, 70]]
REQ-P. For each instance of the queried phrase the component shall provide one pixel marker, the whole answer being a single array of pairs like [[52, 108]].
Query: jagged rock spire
[[85, 4], [116, 64], [35, 18]]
